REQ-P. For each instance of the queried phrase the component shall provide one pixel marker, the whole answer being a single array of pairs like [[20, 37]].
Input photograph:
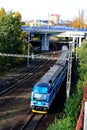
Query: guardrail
[[51, 29], [85, 116], [82, 119]]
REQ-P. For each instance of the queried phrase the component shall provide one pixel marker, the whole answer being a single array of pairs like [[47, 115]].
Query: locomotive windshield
[[40, 97]]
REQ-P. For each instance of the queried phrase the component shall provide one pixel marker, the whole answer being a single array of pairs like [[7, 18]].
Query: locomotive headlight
[[47, 105], [32, 103]]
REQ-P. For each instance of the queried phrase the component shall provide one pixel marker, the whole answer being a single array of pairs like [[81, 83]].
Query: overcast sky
[[39, 9]]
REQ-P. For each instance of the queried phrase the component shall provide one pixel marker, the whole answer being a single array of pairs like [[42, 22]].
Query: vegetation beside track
[[68, 120]]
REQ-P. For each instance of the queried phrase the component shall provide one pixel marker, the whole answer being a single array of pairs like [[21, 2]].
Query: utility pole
[[69, 69], [28, 49], [76, 53]]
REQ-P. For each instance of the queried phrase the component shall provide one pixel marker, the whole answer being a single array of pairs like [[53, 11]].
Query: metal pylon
[[69, 67]]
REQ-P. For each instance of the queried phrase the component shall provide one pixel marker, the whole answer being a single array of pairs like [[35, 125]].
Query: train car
[[45, 90]]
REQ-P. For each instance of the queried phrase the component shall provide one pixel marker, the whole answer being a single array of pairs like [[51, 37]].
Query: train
[[46, 89]]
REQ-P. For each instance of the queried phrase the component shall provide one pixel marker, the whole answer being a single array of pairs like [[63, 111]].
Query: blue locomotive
[[47, 87]]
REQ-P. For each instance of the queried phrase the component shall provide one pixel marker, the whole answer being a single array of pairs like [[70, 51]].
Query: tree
[[78, 22], [2, 12], [10, 40], [10, 31]]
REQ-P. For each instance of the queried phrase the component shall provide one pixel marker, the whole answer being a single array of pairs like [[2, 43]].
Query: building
[[37, 22], [54, 19]]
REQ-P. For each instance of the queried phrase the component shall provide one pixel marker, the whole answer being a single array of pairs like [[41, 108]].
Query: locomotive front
[[40, 98]]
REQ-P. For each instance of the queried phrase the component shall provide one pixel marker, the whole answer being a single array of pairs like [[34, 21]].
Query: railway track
[[10, 80], [28, 122], [33, 122], [19, 92], [22, 78]]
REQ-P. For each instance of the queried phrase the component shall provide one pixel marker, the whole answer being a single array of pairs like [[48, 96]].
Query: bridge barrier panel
[[85, 116]]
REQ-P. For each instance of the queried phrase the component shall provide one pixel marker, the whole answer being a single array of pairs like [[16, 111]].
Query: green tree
[[10, 31]]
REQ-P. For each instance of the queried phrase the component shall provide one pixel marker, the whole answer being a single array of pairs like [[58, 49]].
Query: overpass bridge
[[59, 31], [51, 29]]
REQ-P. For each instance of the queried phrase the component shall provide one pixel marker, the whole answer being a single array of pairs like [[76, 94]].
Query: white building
[[54, 19]]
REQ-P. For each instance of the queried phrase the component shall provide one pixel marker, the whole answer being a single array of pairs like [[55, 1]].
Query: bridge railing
[[50, 28]]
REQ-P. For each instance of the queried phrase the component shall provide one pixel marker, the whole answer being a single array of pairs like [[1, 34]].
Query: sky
[[40, 9]]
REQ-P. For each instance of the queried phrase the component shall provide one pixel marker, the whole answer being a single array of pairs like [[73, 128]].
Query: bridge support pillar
[[45, 42], [80, 38], [73, 44]]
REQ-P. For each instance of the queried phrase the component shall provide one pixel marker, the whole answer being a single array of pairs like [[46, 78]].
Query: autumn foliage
[[2, 12], [78, 23]]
